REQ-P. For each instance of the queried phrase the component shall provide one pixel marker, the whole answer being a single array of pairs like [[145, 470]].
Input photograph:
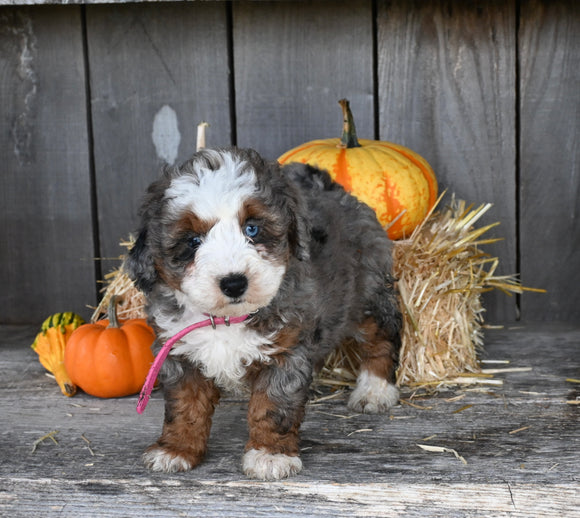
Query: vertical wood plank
[[446, 73], [293, 62], [549, 44], [46, 238], [157, 70]]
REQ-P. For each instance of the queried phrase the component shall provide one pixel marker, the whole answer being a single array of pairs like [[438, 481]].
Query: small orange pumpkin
[[396, 182], [110, 358]]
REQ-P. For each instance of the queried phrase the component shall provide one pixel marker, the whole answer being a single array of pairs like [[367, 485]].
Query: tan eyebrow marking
[[252, 209], [190, 222]]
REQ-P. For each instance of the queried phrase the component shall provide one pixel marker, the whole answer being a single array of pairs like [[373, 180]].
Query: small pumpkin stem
[[348, 139], [112, 312]]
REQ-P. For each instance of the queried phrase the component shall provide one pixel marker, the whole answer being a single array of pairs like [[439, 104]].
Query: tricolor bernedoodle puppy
[[229, 234]]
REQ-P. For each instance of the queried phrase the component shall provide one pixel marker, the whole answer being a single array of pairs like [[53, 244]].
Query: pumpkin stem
[[112, 312], [348, 139]]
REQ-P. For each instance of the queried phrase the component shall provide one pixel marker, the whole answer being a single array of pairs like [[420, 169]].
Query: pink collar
[[162, 355]]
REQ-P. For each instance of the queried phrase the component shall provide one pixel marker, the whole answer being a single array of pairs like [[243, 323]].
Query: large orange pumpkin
[[396, 182], [110, 358]]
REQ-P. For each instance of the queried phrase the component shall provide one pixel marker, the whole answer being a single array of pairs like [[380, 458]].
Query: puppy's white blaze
[[267, 466], [159, 460], [225, 250], [213, 194], [372, 394]]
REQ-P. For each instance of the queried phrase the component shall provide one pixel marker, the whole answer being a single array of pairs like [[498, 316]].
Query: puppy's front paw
[[157, 458], [373, 395], [270, 466]]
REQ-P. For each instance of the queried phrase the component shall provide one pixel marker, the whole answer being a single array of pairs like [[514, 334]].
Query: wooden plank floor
[[520, 442]]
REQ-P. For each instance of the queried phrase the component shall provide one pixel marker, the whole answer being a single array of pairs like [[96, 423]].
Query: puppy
[[228, 234]]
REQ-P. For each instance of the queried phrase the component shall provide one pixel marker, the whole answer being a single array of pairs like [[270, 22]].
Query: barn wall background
[[94, 98]]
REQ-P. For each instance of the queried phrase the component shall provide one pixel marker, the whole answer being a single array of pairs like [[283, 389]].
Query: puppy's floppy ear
[[299, 229], [299, 234], [139, 264]]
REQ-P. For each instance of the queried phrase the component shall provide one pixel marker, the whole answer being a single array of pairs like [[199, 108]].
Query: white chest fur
[[223, 353]]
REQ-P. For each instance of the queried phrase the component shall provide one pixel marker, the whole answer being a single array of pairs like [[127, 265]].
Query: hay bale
[[131, 300], [117, 283], [441, 272]]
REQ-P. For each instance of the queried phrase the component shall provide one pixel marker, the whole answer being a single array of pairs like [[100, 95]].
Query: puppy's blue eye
[[194, 242], [251, 230]]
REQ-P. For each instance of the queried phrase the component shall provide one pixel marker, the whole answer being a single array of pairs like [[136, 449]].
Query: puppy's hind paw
[[373, 395], [157, 458], [262, 465]]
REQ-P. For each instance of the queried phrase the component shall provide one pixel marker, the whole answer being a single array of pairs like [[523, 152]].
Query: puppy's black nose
[[234, 285]]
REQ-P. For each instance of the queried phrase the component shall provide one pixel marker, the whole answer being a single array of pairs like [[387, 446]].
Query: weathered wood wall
[[95, 97]]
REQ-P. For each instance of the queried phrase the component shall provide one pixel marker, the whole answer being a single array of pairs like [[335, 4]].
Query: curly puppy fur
[[229, 234]]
